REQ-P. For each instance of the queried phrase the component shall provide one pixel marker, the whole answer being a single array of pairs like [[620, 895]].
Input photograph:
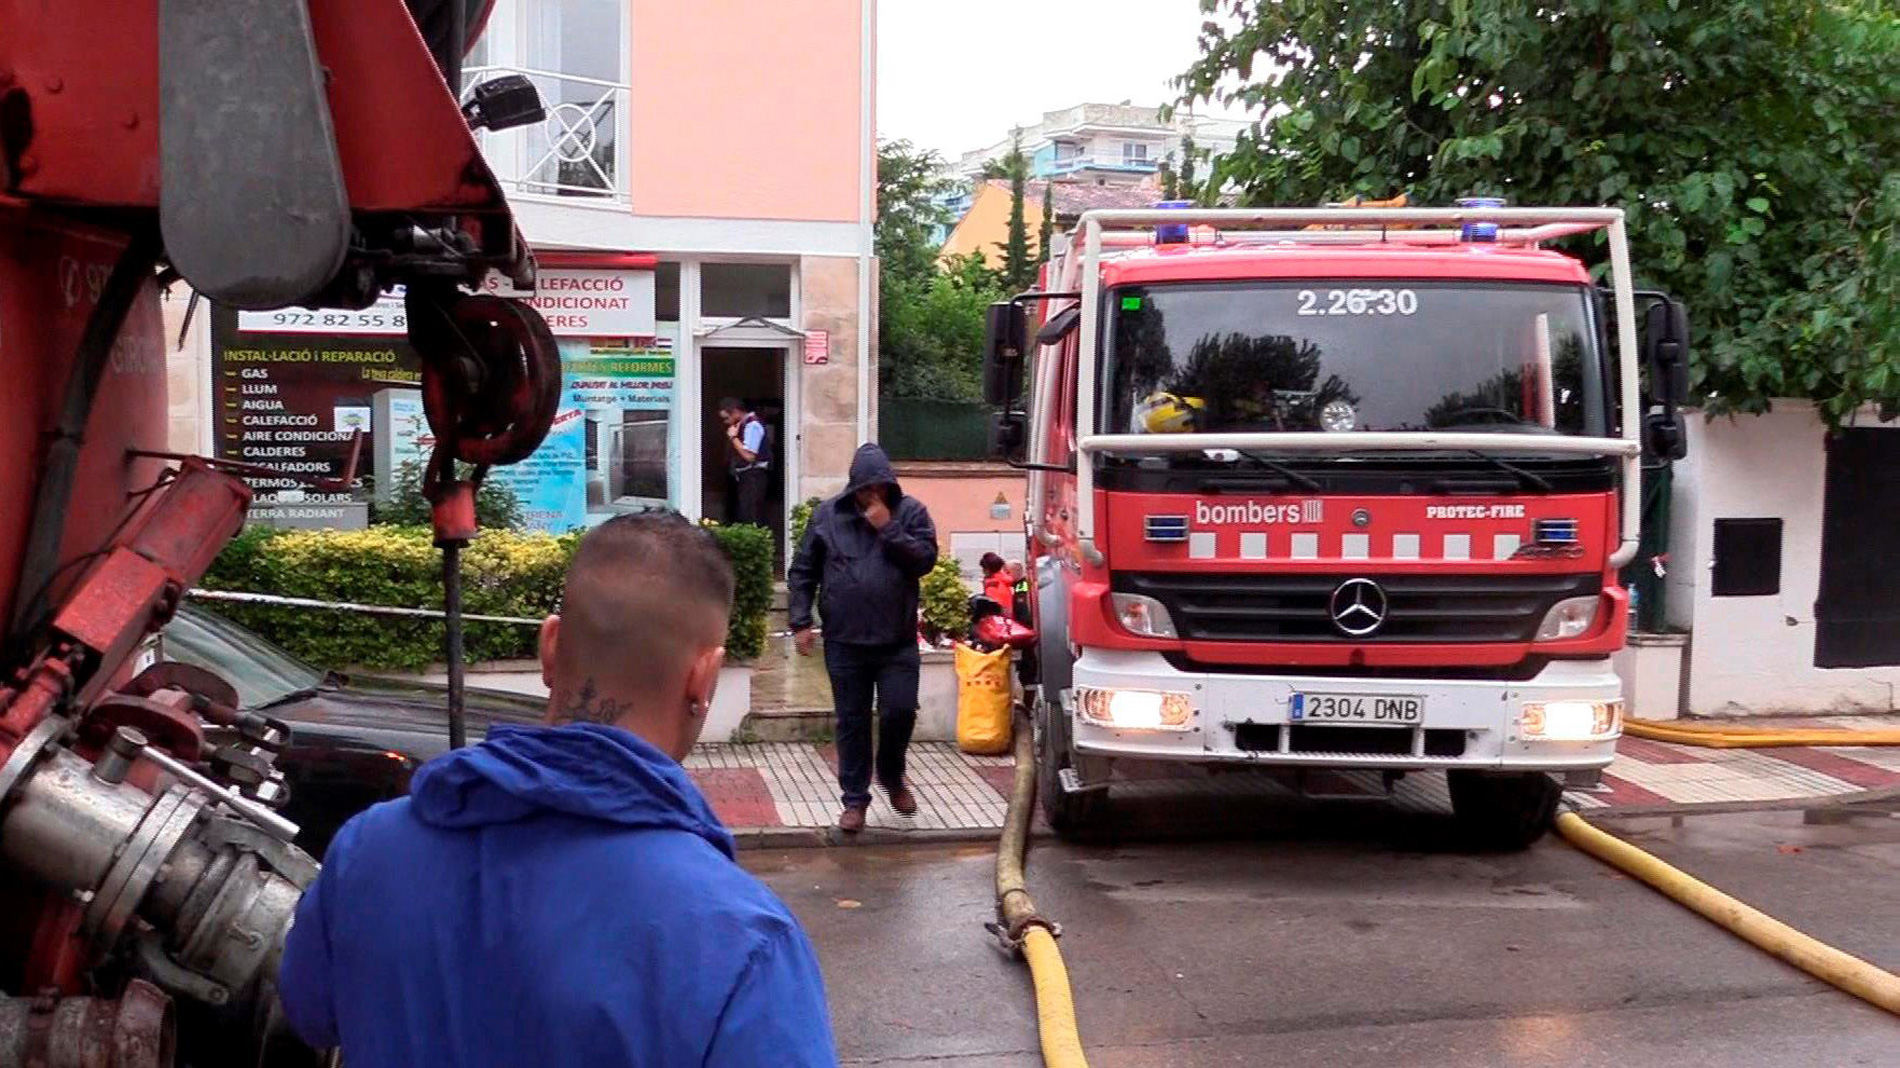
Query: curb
[[1721, 808], [750, 838], [758, 838]]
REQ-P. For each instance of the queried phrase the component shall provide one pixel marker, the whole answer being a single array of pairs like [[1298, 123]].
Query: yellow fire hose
[[1859, 978], [1726, 736], [1022, 927]]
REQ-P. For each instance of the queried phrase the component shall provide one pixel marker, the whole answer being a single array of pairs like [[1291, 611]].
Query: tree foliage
[[930, 319], [911, 189], [932, 345], [1019, 264], [1048, 228], [1753, 143], [1190, 157], [496, 506]]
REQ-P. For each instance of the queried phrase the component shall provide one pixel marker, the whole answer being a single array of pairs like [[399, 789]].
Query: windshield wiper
[[1529, 478], [331, 681], [1303, 481]]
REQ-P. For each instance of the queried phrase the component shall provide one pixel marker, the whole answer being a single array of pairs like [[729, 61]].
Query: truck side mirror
[[1664, 436], [1005, 336], [1666, 351], [1009, 432]]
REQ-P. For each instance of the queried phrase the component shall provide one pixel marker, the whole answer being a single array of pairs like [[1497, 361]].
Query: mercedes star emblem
[[1358, 607]]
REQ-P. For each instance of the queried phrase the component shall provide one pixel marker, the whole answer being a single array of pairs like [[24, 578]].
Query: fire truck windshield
[[1351, 355]]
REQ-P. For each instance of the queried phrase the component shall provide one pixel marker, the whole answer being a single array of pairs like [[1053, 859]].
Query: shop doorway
[[756, 376]]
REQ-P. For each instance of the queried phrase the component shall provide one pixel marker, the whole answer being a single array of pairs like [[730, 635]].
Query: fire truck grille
[[1298, 607]]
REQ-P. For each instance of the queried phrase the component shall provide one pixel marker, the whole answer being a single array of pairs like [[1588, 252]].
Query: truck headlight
[[1571, 617], [1142, 615], [1134, 710], [1570, 721]]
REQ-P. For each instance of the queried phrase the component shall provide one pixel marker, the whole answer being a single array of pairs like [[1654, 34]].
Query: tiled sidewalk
[[787, 793]]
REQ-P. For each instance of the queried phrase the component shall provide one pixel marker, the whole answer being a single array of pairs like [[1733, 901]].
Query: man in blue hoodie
[[563, 895], [861, 559]]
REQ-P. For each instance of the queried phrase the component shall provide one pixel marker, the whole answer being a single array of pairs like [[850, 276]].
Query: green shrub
[[750, 548], [946, 600], [496, 506], [503, 574], [801, 518]]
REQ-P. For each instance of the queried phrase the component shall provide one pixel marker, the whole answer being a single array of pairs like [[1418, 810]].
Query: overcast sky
[[955, 75]]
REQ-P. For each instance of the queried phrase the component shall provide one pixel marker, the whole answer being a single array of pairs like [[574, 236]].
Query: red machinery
[[307, 152]]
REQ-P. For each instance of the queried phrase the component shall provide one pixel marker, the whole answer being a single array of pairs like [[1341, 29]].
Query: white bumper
[[1468, 723]]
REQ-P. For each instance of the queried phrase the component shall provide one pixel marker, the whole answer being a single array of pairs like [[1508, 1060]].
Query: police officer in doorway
[[749, 459]]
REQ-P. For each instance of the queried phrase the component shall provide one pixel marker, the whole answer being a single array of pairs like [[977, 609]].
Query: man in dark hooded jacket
[[861, 558], [563, 895]]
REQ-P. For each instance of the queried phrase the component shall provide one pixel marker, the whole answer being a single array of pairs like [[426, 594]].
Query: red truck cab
[[1308, 497]]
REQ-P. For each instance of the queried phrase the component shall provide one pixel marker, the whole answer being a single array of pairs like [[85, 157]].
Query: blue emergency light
[[1172, 233], [1479, 231]]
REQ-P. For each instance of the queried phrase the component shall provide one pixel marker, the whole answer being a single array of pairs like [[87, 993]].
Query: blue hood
[[552, 896], [581, 769]]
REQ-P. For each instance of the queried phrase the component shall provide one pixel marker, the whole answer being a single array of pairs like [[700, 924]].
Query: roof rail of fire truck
[[1519, 226]]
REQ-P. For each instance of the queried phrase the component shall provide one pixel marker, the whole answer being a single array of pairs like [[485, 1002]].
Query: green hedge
[[503, 574]]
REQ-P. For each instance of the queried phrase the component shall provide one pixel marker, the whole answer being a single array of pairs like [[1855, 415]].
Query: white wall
[[1756, 654]]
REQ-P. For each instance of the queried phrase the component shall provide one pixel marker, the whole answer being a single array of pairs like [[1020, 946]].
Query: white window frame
[[507, 151]]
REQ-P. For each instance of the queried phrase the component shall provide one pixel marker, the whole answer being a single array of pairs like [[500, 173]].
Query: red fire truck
[[1334, 489]]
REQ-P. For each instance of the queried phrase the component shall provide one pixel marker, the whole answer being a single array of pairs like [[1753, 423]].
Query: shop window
[[1747, 558], [666, 293], [737, 290]]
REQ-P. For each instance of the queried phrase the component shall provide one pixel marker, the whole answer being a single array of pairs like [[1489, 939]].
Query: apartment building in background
[[1105, 144], [700, 198]]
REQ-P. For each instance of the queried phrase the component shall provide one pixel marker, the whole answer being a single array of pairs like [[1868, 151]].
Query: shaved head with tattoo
[[641, 633]]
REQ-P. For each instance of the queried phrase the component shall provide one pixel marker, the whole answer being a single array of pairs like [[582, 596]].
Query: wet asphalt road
[[1352, 935]]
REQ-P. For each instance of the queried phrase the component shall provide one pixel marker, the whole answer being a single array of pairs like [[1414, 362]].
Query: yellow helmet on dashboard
[[1169, 413]]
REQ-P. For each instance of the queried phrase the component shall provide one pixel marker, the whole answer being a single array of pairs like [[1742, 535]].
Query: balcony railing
[[1104, 162], [578, 151]]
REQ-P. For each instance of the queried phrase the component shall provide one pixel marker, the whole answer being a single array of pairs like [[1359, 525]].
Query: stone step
[[789, 725]]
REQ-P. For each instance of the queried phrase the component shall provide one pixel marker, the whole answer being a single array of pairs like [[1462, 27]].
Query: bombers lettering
[[1256, 513]]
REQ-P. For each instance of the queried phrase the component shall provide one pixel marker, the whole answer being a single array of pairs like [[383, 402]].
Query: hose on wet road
[[1872, 984], [1732, 736], [1021, 927]]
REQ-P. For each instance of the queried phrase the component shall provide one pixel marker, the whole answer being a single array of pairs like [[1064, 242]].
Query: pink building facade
[[701, 194]]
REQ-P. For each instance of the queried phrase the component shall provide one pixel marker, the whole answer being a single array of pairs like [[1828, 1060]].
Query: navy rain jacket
[[554, 896], [865, 579]]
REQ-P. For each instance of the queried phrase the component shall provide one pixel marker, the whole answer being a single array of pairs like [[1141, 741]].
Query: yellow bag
[[983, 701]]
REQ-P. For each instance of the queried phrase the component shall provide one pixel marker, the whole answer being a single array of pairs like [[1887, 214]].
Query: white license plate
[[1358, 709]]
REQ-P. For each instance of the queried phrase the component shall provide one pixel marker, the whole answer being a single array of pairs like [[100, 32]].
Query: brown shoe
[[851, 820], [901, 800]]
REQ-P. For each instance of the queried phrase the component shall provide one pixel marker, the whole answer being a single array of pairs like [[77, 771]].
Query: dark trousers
[[856, 671], [749, 492]]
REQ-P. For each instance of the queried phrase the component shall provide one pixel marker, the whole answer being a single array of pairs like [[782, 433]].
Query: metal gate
[[1857, 610]]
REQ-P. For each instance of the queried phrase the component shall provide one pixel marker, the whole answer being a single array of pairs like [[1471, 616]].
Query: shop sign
[[291, 399], [384, 318], [589, 303], [614, 445], [817, 346], [575, 303]]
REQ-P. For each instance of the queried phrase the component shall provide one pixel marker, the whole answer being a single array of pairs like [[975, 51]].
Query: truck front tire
[[1503, 813], [1073, 815]]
